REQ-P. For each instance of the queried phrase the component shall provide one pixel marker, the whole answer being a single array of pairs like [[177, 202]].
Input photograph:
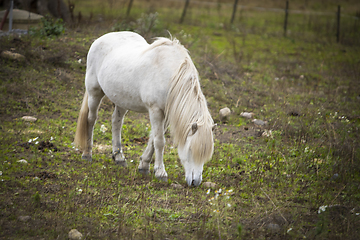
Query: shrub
[[50, 27]]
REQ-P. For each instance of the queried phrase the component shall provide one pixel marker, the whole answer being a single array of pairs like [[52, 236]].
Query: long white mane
[[185, 105]]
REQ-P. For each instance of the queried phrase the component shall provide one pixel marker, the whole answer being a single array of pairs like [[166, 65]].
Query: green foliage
[[50, 27], [240, 229], [36, 198], [147, 25]]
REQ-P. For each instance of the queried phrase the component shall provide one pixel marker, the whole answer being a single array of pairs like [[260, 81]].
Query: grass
[[267, 187]]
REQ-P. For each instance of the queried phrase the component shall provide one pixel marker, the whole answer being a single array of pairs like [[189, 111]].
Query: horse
[[159, 78]]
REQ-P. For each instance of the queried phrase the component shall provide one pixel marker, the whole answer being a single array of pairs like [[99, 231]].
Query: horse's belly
[[136, 89], [130, 106], [124, 99]]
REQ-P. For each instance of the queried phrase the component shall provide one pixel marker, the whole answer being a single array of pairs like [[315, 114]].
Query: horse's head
[[196, 151]]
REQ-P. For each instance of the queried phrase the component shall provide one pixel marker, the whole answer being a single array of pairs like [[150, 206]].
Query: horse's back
[[133, 74], [119, 39], [104, 45], [107, 58]]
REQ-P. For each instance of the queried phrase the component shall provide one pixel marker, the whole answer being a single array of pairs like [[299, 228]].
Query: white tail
[[81, 135]]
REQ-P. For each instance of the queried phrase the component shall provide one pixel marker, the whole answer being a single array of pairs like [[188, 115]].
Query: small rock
[[224, 113], [209, 185], [267, 133], [75, 235], [287, 175], [177, 186], [273, 227], [335, 176], [259, 122], [13, 56], [248, 115], [29, 118], [24, 218], [22, 161]]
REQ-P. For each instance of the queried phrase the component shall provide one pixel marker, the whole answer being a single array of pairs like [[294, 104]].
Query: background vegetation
[[299, 177]]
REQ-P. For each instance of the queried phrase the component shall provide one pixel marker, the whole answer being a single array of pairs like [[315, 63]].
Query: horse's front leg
[[117, 122], [157, 133]]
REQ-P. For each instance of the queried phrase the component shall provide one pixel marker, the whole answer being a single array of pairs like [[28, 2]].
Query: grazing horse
[[158, 78]]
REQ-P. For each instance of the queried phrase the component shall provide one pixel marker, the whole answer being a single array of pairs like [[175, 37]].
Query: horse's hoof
[[161, 175], [144, 171], [87, 158], [121, 163], [163, 179]]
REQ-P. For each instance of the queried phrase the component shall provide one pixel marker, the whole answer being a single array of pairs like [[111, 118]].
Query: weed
[[50, 27], [146, 25]]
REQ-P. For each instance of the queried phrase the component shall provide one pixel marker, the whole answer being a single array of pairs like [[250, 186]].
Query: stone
[[176, 185], [75, 235], [224, 113], [335, 177], [29, 118], [22, 20], [22, 161], [248, 115], [273, 227], [209, 185], [13, 56], [259, 123], [24, 218], [267, 133]]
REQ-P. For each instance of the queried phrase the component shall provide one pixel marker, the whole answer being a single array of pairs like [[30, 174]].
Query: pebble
[[13, 56], [209, 185], [22, 161], [248, 115], [29, 118], [267, 133], [335, 176], [259, 122], [176, 185], [75, 235], [224, 113], [24, 218], [273, 227]]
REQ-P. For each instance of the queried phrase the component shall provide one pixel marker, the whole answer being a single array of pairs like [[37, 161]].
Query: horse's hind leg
[[117, 122], [145, 159], [94, 100]]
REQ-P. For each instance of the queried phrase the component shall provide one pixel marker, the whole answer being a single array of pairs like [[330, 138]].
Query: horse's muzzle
[[191, 182]]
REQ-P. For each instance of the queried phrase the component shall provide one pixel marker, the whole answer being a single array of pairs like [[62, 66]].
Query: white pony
[[159, 78]]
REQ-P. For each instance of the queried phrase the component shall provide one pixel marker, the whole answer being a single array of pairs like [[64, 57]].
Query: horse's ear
[[194, 128], [214, 126]]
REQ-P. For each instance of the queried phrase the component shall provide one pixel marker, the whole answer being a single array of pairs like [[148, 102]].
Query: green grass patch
[[296, 177]]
